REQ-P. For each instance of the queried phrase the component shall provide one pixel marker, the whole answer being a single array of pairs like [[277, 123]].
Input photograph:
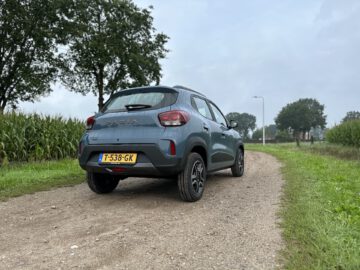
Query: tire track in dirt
[[144, 225]]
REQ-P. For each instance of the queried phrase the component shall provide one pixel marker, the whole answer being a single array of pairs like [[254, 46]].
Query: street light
[[263, 100]]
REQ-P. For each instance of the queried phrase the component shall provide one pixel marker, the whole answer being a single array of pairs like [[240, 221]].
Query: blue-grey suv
[[159, 132]]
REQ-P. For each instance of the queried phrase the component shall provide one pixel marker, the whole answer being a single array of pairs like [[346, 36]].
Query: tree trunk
[[101, 88], [2, 106], [297, 138], [101, 98]]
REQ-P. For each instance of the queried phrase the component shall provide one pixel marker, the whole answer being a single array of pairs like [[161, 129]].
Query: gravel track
[[144, 225]]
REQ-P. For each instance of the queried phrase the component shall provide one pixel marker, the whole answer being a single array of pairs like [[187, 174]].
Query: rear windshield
[[155, 98]]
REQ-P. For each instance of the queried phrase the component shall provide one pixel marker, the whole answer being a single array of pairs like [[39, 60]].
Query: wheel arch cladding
[[201, 151], [194, 144], [241, 146]]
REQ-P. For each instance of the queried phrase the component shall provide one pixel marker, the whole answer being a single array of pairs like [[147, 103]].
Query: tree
[[113, 47], [27, 45], [246, 122], [352, 115], [270, 133], [257, 134], [283, 136], [301, 116]]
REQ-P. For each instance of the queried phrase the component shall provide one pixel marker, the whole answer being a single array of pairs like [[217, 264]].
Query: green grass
[[16, 180], [320, 209], [324, 148]]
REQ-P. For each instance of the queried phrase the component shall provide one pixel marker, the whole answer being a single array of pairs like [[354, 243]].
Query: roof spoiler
[[188, 89]]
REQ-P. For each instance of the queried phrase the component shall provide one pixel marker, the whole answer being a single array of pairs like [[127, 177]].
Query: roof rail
[[188, 89]]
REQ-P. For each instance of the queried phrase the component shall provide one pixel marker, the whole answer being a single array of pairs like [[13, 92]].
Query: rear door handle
[[223, 135], [206, 127]]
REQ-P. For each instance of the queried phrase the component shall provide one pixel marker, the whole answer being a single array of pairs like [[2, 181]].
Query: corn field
[[347, 133], [36, 137]]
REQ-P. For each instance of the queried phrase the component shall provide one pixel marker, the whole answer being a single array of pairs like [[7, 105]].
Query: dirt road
[[144, 225]]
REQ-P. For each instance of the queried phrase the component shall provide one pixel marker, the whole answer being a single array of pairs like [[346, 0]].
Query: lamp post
[[263, 107]]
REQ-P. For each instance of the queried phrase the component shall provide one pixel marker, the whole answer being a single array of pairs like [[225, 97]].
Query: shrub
[[347, 133], [36, 137]]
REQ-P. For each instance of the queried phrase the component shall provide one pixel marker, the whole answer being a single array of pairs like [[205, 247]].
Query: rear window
[[155, 98]]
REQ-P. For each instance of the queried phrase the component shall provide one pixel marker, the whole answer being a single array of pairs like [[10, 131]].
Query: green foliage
[[109, 45], [270, 133], [27, 45], [115, 46], [347, 133], [25, 178], [246, 122], [284, 136], [320, 209], [35, 137], [352, 115], [257, 134], [301, 116]]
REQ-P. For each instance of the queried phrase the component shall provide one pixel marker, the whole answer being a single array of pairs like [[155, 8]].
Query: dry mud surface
[[144, 225]]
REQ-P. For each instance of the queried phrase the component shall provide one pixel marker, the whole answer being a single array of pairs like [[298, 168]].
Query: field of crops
[[347, 133], [33, 137]]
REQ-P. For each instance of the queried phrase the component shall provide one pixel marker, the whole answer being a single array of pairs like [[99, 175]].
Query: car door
[[202, 107], [224, 153]]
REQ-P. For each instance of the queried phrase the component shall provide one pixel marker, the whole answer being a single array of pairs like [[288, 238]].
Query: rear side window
[[202, 107], [218, 115], [154, 98]]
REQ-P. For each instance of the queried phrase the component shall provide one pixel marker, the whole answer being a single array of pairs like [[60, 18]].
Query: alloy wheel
[[197, 176]]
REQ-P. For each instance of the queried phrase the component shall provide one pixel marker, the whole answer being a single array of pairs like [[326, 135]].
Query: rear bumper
[[151, 161]]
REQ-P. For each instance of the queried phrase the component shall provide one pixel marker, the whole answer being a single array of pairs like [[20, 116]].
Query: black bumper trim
[[159, 164]]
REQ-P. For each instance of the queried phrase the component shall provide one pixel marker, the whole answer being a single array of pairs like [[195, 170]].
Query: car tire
[[191, 181], [239, 167], [101, 183]]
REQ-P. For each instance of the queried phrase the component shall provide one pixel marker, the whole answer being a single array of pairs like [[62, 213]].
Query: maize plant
[[347, 133], [32, 137]]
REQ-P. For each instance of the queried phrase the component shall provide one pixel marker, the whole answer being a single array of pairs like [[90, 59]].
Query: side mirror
[[233, 124]]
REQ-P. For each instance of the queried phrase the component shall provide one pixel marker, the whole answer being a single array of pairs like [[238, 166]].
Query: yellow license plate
[[117, 158]]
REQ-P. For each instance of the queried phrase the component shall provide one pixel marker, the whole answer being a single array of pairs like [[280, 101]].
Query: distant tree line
[[352, 115], [294, 121], [270, 133], [98, 46], [301, 118]]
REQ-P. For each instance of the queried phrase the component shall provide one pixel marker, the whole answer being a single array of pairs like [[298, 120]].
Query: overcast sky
[[232, 50]]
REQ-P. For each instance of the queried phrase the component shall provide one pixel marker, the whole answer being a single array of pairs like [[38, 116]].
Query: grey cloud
[[232, 50]]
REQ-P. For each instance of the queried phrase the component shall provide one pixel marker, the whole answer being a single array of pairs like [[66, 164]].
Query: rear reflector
[[172, 148], [118, 169], [80, 148], [173, 118]]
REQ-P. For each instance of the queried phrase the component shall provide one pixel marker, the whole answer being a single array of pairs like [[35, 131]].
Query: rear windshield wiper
[[131, 107]]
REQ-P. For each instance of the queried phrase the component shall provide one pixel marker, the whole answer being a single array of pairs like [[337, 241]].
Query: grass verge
[[320, 209], [324, 148], [27, 178]]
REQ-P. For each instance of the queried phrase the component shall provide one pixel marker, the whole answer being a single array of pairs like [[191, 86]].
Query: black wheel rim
[[241, 161], [198, 176]]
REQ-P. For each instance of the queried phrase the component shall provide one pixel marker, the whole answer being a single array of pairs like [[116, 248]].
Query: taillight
[[173, 118], [90, 122]]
